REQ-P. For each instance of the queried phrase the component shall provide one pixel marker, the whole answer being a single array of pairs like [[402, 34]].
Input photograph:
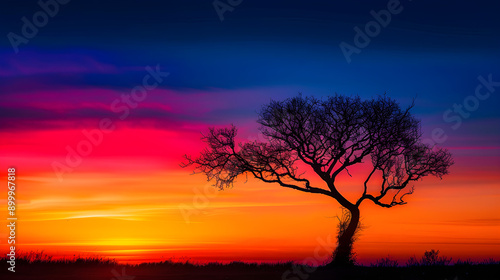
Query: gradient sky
[[123, 200]]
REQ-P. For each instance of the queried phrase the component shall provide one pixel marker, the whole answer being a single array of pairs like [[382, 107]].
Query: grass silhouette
[[38, 265]]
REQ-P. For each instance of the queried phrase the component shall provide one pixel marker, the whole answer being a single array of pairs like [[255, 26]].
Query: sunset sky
[[129, 199]]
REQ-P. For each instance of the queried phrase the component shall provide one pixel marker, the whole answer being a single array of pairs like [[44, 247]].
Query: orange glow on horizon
[[131, 201]]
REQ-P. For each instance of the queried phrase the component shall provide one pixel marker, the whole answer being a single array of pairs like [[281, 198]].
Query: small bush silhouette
[[386, 262], [412, 261], [432, 258]]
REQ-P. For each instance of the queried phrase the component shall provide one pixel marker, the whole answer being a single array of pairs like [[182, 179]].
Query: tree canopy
[[330, 136]]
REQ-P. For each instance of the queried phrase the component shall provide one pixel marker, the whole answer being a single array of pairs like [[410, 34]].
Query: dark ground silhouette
[[43, 267]]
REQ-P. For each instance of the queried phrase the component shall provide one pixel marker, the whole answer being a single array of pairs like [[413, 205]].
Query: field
[[40, 266]]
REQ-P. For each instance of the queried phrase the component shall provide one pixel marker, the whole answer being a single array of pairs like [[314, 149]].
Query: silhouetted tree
[[330, 135]]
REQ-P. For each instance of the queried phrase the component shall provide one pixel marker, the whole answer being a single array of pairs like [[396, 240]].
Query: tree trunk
[[343, 253]]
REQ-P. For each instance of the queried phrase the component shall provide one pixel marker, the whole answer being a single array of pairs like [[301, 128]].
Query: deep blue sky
[[431, 51]]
